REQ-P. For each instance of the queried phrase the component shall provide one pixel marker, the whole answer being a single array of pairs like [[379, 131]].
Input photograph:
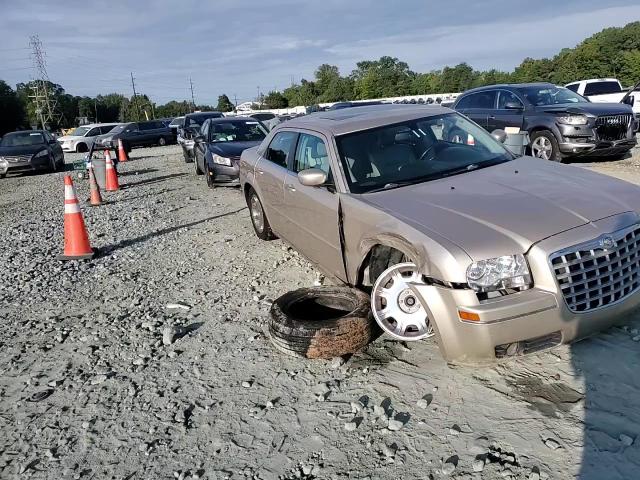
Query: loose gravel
[[151, 361]]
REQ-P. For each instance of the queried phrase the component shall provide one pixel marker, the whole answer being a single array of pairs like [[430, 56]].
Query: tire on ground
[[322, 322]]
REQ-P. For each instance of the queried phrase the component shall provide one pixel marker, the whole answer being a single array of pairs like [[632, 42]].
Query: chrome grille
[[17, 158], [601, 272], [613, 127]]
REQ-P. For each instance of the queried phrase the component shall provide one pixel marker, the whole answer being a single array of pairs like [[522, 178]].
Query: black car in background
[[136, 134], [29, 150], [190, 128], [560, 122], [220, 143]]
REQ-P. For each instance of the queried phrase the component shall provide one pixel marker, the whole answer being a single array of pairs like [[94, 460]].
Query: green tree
[[173, 108], [224, 104], [386, 77], [275, 100], [12, 111]]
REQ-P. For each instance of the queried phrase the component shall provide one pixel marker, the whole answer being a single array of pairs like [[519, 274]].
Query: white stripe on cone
[[69, 192], [71, 208]]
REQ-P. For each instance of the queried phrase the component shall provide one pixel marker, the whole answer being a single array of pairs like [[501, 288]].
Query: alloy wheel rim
[[256, 213], [395, 305], [542, 148]]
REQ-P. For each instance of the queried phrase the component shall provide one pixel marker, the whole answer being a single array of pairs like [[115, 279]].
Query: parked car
[[136, 134], [268, 119], [175, 124], [608, 90], [29, 150], [192, 124], [219, 144], [81, 139], [560, 122], [494, 255]]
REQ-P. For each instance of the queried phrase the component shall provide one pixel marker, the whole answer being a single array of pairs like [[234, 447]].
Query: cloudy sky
[[238, 46]]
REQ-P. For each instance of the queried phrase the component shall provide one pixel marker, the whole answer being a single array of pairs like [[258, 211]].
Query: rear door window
[[483, 100], [602, 88], [279, 148], [505, 97]]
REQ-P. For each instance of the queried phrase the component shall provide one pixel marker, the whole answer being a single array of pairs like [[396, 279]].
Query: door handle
[[290, 187]]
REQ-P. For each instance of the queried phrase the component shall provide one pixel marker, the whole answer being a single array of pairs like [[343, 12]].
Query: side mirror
[[512, 106], [629, 100], [499, 135], [312, 177]]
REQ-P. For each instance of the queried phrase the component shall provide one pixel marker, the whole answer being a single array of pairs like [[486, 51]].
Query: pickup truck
[[608, 90]]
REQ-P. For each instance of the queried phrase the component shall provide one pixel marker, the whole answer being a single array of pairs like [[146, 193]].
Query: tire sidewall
[[555, 152], [254, 194]]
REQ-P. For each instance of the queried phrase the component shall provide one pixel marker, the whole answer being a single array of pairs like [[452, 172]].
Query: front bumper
[[526, 321], [224, 173], [14, 165], [582, 140]]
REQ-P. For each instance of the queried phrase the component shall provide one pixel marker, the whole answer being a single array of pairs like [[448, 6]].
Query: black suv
[[136, 134], [560, 123]]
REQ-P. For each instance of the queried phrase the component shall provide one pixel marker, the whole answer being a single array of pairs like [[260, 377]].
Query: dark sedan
[[560, 123], [29, 150], [136, 134], [219, 144]]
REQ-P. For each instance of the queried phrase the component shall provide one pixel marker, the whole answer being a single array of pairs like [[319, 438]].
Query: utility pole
[[95, 107], [193, 102], [43, 98], [235, 102], [135, 97]]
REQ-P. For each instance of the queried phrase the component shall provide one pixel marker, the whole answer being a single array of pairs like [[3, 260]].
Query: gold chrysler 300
[[456, 237]]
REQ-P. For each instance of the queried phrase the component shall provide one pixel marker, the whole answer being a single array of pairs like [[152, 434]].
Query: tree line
[[613, 52]]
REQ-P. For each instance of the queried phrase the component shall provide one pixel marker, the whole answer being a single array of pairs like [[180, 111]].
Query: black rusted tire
[[322, 322]]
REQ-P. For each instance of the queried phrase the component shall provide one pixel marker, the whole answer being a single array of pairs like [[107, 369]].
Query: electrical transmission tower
[[42, 96]]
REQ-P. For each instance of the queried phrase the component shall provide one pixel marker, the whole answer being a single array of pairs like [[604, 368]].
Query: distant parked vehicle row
[[560, 122], [81, 139], [136, 134], [29, 150]]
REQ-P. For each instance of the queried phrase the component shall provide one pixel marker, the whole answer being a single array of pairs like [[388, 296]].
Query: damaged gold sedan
[[453, 235]]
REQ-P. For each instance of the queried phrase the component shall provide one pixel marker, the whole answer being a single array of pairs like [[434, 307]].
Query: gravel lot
[[106, 373]]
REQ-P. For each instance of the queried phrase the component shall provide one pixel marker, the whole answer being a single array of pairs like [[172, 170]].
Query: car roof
[[347, 120], [508, 85], [232, 119], [194, 114], [25, 131]]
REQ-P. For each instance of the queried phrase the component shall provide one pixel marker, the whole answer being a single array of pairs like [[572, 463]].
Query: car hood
[[592, 108], [69, 137], [26, 150], [231, 149], [506, 208]]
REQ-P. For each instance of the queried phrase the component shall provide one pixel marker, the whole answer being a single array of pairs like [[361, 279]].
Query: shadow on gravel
[[137, 172], [143, 238], [147, 195], [608, 363], [153, 180]]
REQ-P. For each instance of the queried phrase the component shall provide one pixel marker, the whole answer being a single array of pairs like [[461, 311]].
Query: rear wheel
[[545, 146], [197, 168], [81, 148], [53, 164], [162, 142], [258, 217], [210, 178]]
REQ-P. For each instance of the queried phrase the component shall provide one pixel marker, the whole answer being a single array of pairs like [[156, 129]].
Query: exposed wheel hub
[[396, 306]]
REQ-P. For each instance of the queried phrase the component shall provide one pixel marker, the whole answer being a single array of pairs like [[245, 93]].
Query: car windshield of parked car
[[80, 131], [118, 128], [198, 120], [177, 122], [22, 139], [237, 132], [542, 96], [417, 151]]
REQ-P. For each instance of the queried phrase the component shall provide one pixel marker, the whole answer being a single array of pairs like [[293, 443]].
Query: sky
[[240, 47]]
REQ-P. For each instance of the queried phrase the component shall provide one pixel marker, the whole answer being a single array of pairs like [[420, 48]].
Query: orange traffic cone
[[96, 198], [76, 239], [112, 184], [122, 153]]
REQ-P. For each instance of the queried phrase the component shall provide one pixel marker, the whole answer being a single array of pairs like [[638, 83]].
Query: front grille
[[613, 127], [530, 345], [18, 158], [601, 272]]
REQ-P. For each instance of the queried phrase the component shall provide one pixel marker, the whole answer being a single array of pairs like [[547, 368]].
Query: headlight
[[510, 271], [573, 119], [221, 160], [41, 153]]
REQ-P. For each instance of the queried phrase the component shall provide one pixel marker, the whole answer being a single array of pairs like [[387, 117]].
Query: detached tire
[[322, 322]]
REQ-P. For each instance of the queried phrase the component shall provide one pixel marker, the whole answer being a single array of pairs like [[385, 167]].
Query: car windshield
[[177, 121], [22, 139], [80, 131], [547, 95], [118, 128], [237, 132], [417, 151]]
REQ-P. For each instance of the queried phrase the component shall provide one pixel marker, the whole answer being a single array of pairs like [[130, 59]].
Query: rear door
[[271, 171], [504, 117], [311, 213]]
